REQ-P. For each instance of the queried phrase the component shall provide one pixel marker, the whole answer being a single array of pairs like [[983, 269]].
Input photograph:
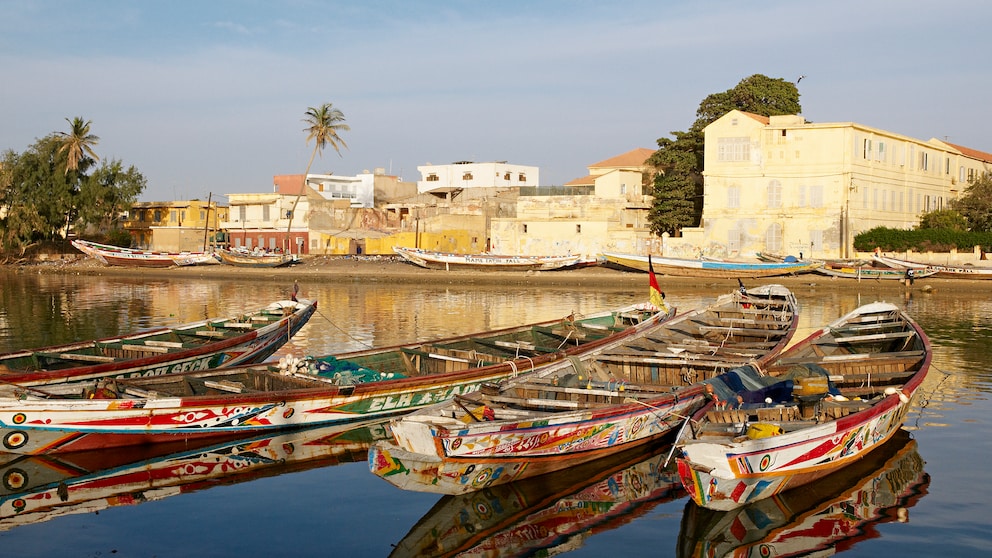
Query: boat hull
[[708, 268], [487, 262], [249, 260], [127, 257]]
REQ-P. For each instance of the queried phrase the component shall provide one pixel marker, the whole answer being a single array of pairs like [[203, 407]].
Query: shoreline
[[390, 270]]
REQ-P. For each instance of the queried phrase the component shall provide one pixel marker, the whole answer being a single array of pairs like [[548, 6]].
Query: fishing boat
[[837, 511], [845, 390], [57, 417], [41, 488], [626, 393], [542, 515], [240, 339], [129, 257], [723, 269], [844, 270], [492, 262], [245, 258], [941, 271]]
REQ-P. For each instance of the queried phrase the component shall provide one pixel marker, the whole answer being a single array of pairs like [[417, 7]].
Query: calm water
[[298, 496]]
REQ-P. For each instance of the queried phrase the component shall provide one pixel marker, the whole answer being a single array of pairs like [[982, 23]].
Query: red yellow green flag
[[657, 297]]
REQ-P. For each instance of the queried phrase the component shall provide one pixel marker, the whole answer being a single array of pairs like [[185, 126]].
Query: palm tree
[[323, 124], [79, 142]]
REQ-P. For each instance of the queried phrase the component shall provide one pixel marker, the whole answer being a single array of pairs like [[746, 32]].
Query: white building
[[466, 174], [359, 190]]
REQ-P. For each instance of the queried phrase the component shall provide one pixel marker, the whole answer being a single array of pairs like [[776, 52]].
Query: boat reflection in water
[[834, 512], [39, 488], [554, 511]]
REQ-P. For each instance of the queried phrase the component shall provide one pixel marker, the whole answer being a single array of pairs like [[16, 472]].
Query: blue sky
[[209, 96]]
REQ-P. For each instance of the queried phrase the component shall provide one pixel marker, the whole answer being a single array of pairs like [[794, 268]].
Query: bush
[[920, 240]]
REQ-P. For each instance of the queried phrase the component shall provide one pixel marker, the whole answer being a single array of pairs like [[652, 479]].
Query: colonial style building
[[782, 185], [262, 220], [175, 226]]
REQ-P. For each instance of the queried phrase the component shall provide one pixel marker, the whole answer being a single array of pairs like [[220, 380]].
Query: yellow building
[[783, 185], [174, 226], [607, 210]]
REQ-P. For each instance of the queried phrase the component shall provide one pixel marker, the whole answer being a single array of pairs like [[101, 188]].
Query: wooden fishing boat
[[845, 390], [839, 510], [709, 267], [534, 517], [626, 393], [865, 272], [55, 417], [491, 262], [218, 342], [941, 271], [40, 488], [129, 257], [244, 258]]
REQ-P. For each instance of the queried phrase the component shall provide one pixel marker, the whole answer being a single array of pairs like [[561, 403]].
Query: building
[[607, 210], [466, 174], [263, 220], [175, 226], [783, 185]]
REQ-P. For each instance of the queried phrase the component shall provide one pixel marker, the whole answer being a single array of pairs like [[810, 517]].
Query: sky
[[208, 97]]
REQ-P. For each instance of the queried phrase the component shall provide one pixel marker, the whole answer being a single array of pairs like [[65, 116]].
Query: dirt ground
[[391, 270]]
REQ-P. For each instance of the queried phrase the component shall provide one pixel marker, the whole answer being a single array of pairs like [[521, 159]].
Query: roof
[[587, 180], [973, 153], [763, 119], [633, 159]]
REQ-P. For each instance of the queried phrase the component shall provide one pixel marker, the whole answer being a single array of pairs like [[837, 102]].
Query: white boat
[[440, 260], [709, 267]]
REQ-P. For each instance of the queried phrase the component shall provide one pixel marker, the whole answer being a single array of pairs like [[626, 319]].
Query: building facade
[[175, 226], [783, 185], [467, 174]]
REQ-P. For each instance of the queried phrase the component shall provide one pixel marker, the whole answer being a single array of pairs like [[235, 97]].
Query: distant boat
[[130, 257], [708, 267], [492, 262], [841, 393], [943, 271], [846, 270], [244, 258]]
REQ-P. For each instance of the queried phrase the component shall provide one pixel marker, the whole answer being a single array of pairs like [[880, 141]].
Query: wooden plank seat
[[212, 333], [144, 349], [76, 357], [871, 337], [745, 330], [539, 403], [901, 356]]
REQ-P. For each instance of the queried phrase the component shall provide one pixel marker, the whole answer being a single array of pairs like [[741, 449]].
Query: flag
[[657, 297]]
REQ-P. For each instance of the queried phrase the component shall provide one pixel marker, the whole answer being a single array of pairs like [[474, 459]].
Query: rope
[[335, 326]]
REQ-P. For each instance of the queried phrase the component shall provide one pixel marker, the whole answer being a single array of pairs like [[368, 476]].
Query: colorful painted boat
[[845, 390], [130, 257], [709, 267], [629, 392], [941, 271], [54, 418], [866, 272], [213, 343], [836, 512], [492, 262], [240, 258], [41, 488], [543, 515]]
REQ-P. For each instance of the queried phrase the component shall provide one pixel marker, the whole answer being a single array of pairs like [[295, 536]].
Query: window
[[774, 194], [172, 216], [265, 213], [466, 176], [734, 239], [525, 228], [816, 195], [623, 189], [243, 213], [522, 177], [773, 237], [924, 161], [734, 149], [802, 196], [734, 196], [880, 154], [866, 151], [506, 176], [432, 177], [578, 229], [203, 215]]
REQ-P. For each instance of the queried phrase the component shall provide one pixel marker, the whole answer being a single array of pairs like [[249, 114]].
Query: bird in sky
[[800, 79]]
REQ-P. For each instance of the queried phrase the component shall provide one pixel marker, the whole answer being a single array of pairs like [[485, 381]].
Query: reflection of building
[[175, 226], [783, 185], [606, 210]]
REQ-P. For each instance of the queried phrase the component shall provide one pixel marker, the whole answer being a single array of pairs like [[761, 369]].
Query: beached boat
[[130, 257], [542, 515], [490, 262], [709, 267], [41, 488], [844, 390], [244, 258], [55, 417], [865, 272], [941, 271], [626, 393], [837, 511], [217, 342]]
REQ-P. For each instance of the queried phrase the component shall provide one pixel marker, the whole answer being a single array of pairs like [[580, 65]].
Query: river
[[924, 498]]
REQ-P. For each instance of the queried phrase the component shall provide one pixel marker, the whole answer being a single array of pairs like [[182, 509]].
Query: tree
[[976, 204], [948, 219], [323, 124], [79, 143], [683, 156]]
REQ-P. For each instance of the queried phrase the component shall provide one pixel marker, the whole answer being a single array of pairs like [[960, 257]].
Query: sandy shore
[[390, 270]]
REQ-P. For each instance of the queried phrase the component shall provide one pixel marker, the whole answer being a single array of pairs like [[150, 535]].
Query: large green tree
[[323, 126], [975, 204], [678, 187]]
